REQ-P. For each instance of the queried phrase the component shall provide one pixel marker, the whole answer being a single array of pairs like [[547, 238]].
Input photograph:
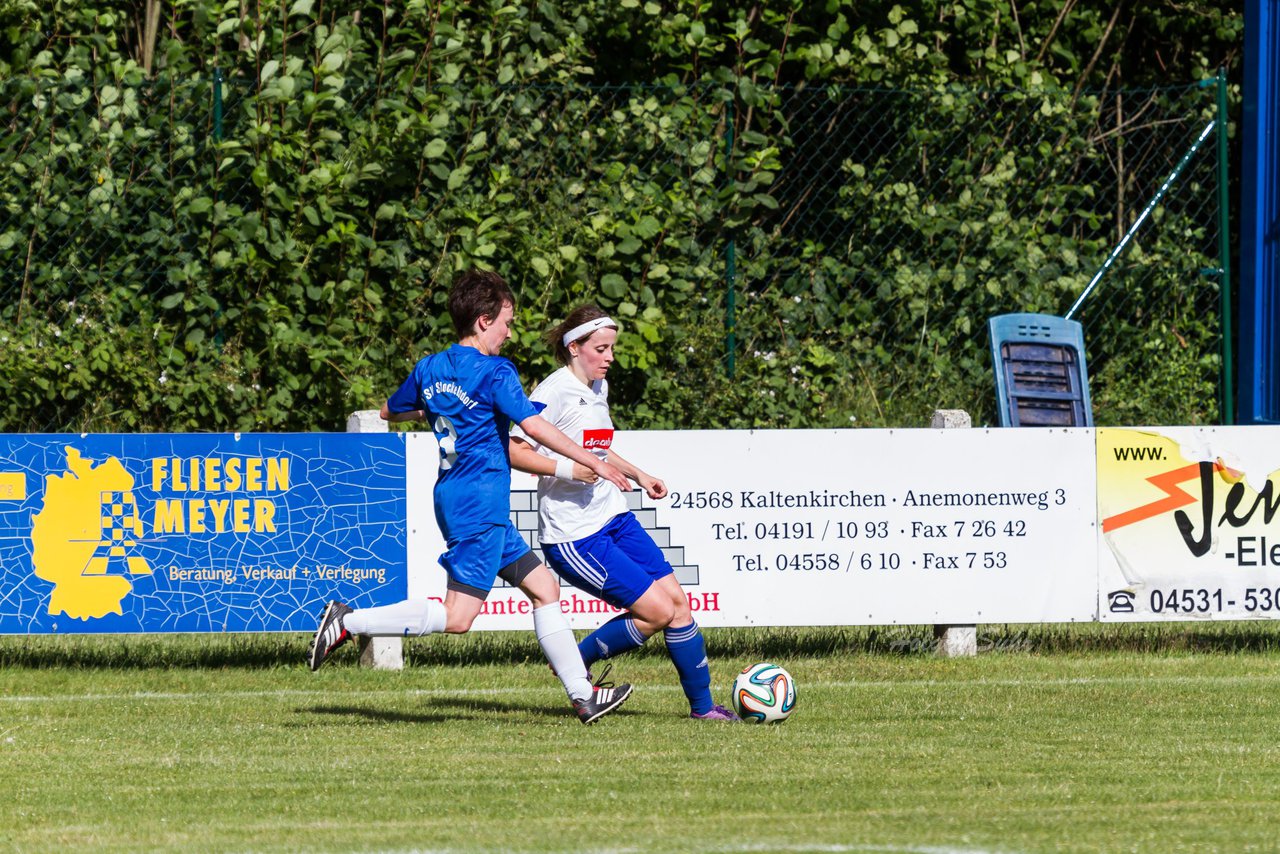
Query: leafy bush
[[251, 224]]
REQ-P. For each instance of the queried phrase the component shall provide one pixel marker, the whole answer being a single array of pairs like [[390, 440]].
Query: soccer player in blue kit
[[470, 395], [586, 531]]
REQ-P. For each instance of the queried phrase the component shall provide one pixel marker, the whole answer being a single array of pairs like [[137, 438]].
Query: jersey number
[[447, 436]]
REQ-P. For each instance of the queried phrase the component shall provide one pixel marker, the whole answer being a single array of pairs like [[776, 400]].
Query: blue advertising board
[[197, 532]]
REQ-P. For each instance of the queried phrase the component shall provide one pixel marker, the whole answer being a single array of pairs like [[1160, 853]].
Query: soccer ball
[[764, 694]]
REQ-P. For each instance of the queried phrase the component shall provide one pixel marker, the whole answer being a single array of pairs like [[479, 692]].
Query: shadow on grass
[[463, 708], [382, 716], [271, 651]]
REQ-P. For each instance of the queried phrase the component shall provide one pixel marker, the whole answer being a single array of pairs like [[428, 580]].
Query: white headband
[[587, 328]]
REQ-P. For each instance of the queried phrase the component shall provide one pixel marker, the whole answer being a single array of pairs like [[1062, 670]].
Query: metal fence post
[[378, 653], [954, 641], [1224, 256], [217, 105], [217, 138], [730, 271]]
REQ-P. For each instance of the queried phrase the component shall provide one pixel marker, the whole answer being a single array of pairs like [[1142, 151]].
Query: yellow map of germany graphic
[[82, 538]]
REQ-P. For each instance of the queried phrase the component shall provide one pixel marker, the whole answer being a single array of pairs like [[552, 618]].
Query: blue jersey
[[470, 400]]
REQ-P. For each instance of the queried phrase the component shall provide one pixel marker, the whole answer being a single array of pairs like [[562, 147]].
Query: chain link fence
[[947, 207], [855, 240]]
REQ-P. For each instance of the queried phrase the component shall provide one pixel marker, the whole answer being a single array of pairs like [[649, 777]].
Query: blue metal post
[[1258, 360]]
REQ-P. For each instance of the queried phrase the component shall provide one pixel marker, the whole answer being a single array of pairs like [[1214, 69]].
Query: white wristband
[[564, 468]]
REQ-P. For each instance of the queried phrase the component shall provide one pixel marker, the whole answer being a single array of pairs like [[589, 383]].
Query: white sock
[[558, 645], [410, 617]]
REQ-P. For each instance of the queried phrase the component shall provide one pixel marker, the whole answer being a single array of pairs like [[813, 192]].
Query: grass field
[[1080, 738]]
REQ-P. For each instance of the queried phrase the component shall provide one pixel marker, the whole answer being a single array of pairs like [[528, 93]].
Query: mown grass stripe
[[331, 691]]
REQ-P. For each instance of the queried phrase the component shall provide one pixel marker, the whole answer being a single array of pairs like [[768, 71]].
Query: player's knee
[[664, 614], [544, 594], [458, 624], [542, 588], [681, 615]]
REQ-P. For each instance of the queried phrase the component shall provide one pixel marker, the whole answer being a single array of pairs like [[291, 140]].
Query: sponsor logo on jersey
[[597, 439]]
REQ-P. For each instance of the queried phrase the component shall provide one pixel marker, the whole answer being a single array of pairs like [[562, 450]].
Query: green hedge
[[887, 176]]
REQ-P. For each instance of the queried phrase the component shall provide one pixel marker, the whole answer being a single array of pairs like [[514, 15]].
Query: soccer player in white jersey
[[470, 395], [587, 533]]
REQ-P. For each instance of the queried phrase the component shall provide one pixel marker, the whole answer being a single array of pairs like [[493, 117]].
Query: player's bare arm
[[396, 417], [652, 486], [545, 433], [524, 458]]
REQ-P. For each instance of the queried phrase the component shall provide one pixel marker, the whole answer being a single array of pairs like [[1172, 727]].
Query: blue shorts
[[474, 561], [618, 563]]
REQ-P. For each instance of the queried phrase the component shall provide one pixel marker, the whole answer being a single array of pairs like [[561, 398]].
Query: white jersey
[[569, 510]]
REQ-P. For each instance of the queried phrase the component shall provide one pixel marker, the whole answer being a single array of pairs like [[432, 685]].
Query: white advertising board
[[1187, 517], [836, 527]]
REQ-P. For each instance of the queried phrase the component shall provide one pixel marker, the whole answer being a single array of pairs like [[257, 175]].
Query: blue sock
[[688, 653], [615, 637]]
